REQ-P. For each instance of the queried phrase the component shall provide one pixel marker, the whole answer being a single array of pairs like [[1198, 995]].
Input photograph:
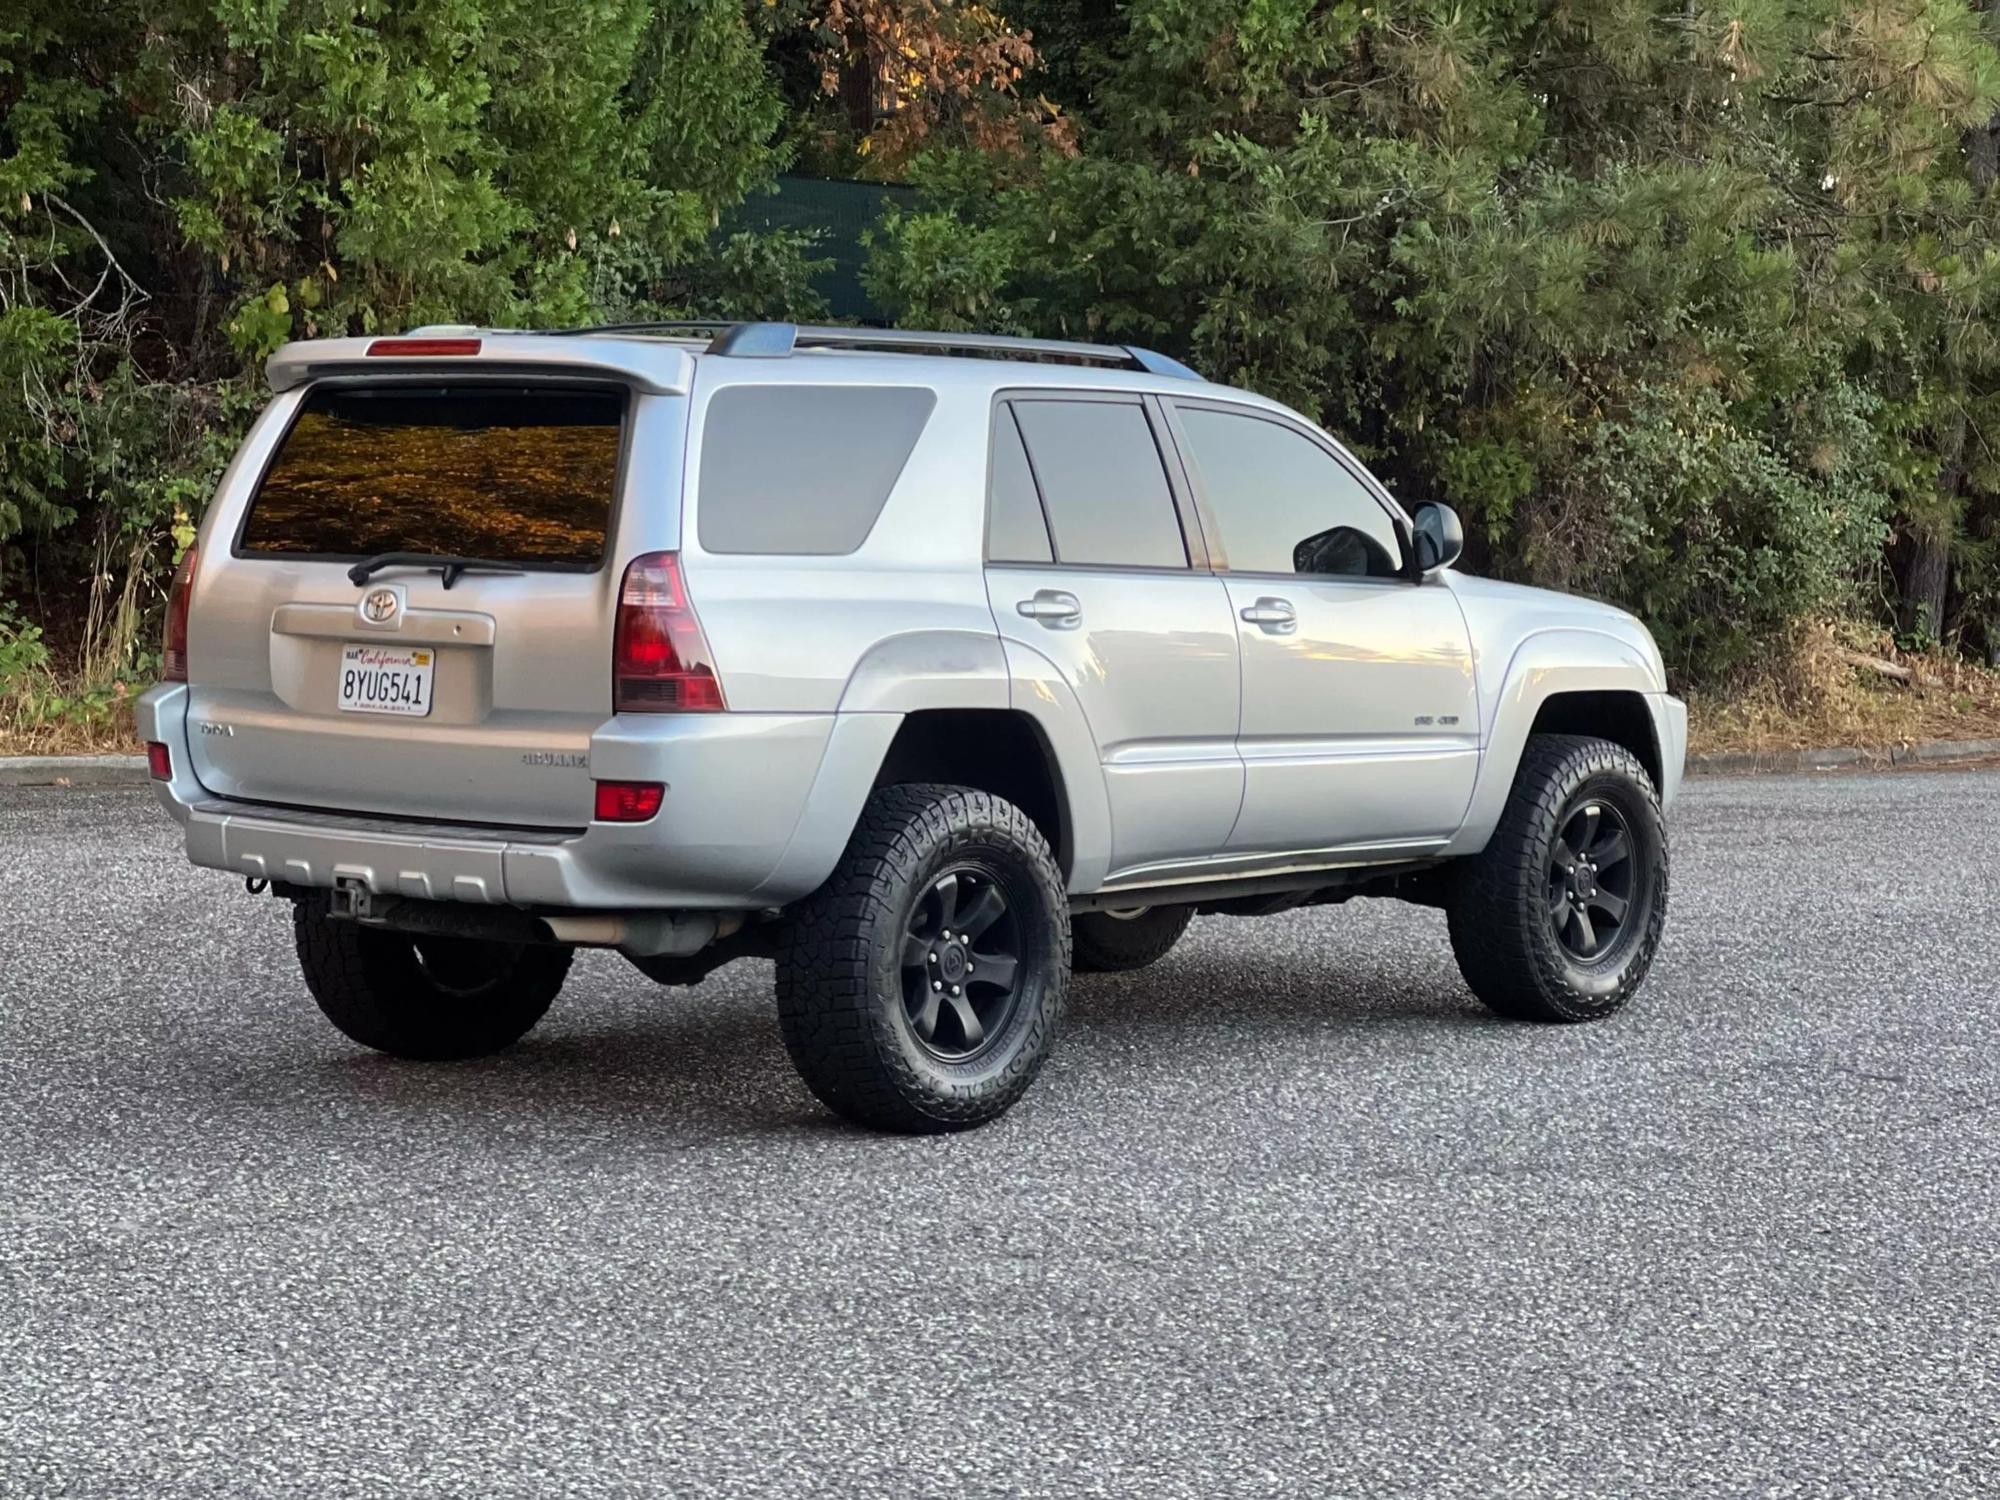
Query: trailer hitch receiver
[[351, 900]]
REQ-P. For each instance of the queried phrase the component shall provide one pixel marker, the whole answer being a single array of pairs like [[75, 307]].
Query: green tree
[[1506, 247], [185, 184]]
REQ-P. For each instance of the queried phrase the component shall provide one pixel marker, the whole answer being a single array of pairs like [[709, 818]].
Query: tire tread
[[1107, 945], [841, 1038], [1493, 910], [369, 986]]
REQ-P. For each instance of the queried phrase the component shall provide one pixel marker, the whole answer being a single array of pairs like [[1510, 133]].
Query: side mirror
[[1437, 536]]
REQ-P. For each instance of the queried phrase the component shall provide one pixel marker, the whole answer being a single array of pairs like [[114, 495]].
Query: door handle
[[1053, 607], [1274, 615]]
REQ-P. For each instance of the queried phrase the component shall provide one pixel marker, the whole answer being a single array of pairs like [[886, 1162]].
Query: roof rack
[[691, 328], [778, 340]]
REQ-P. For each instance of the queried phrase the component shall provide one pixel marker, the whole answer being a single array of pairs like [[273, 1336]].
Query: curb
[[73, 770], [1837, 757]]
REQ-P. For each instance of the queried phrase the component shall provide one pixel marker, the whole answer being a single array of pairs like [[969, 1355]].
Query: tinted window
[[1015, 528], [524, 475], [803, 469], [1284, 504], [1103, 483]]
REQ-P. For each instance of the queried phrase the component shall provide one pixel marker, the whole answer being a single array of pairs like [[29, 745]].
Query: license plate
[[384, 680]]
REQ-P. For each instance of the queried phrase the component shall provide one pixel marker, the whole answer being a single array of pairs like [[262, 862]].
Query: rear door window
[[518, 474], [1103, 483], [803, 470]]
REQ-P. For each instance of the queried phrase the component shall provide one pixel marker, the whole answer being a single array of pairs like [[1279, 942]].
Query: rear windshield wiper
[[453, 568]]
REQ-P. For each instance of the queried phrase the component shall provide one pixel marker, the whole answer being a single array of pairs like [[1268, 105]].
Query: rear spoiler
[[650, 365]]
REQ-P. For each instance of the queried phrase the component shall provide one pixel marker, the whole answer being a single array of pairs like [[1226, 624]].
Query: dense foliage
[[1684, 304], [185, 184]]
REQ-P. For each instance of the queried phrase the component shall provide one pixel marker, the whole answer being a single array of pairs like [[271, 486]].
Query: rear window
[[524, 475], [803, 470]]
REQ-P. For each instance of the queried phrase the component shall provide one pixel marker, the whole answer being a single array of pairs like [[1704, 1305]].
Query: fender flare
[[942, 669], [1559, 659], [894, 678], [1040, 691], [928, 669], [974, 669]]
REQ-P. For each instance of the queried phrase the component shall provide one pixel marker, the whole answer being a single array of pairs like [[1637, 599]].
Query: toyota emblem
[[380, 607]]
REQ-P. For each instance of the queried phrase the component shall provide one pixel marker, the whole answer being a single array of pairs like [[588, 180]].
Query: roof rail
[[778, 340]]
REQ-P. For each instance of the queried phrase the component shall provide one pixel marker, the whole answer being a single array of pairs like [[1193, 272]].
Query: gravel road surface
[[1290, 1214]]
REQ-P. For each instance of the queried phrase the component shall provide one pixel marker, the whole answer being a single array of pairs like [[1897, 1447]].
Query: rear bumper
[[758, 809]]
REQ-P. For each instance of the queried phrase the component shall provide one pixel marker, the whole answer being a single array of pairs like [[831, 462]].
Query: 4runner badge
[[554, 758]]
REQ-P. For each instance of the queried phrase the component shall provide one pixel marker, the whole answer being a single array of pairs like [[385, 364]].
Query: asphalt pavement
[[1290, 1214]]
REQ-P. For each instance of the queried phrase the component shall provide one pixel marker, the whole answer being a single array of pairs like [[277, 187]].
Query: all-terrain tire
[[425, 999], [1504, 903], [1106, 943], [853, 995]]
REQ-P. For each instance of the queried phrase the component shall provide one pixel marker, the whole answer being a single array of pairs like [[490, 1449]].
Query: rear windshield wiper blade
[[453, 568]]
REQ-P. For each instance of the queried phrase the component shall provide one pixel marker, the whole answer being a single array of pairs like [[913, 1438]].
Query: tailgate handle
[[418, 627]]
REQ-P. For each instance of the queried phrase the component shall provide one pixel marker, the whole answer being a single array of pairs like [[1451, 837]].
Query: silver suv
[[926, 665]]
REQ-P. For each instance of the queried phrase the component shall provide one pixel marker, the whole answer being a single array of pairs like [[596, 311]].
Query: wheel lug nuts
[[954, 989], [946, 934], [933, 958], [935, 985]]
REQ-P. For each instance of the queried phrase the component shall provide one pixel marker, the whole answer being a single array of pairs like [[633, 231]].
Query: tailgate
[[422, 691]]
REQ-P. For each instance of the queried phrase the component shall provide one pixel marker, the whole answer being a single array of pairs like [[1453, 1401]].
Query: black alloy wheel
[[961, 960], [1591, 880], [921, 987]]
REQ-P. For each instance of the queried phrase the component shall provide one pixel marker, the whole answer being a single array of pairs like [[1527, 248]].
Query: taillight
[[660, 661], [174, 651], [159, 761], [629, 801]]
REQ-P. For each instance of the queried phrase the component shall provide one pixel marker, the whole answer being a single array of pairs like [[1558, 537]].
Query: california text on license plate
[[385, 680]]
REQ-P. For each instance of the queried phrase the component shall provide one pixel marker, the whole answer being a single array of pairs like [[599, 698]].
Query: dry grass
[[47, 715], [70, 739], [1818, 694]]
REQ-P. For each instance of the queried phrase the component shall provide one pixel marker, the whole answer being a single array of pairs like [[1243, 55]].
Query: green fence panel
[[839, 213]]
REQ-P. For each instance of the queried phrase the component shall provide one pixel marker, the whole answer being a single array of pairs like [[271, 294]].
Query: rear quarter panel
[[791, 632]]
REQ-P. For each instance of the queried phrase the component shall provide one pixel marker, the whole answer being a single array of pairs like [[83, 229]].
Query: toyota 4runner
[[926, 665]]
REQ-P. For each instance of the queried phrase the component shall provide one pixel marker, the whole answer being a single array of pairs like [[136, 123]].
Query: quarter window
[[803, 470], [1283, 503], [1015, 528], [1102, 483]]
